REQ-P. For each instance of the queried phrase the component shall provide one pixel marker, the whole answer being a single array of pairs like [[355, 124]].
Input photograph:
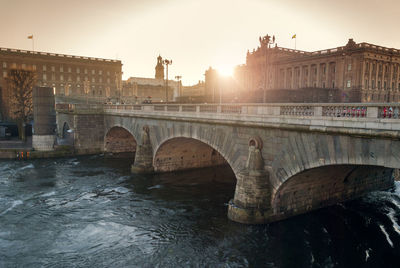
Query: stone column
[[327, 85], [301, 77], [144, 155], [318, 75], [370, 75], [293, 78], [252, 201], [309, 76]]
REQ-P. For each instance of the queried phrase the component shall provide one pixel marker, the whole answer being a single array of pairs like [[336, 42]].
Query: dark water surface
[[91, 212]]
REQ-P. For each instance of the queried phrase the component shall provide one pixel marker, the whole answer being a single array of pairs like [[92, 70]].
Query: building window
[[4, 74], [386, 69], [366, 83], [323, 84], [373, 84], [380, 68], [53, 68], [392, 85], [78, 78], [93, 80], [61, 77], [44, 68], [93, 71], [384, 85], [69, 69], [85, 71], [100, 72], [4, 64], [379, 84], [61, 68], [349, 67], [324, 69], [78, 70], [100, 80], [348, 83], [23, 65], [44, 77], [34, 67], [108, 72], [53, 77], [108, 80], [69, 78], [333, 84]]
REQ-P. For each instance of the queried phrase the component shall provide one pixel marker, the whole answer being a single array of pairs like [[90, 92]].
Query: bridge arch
[[119, 140], [327, 185], [314, 171], [183, 153]]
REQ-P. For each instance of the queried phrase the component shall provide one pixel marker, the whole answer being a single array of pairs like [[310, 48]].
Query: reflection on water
[[91, 212]]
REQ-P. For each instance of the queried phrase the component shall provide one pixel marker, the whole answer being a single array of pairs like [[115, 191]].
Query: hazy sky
[[195, 34]]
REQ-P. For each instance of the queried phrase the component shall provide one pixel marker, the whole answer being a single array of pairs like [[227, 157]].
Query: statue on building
[[266, 40], [159, 68]]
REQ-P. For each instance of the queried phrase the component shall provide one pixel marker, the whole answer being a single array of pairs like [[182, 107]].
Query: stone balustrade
[[355, 110]]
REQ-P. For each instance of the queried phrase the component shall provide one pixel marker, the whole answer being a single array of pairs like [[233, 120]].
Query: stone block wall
[[324, 186], [89, 132]]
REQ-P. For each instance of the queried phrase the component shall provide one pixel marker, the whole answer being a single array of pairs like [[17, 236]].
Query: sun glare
[[225, 70]]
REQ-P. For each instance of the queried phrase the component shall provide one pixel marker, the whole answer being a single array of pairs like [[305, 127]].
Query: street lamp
[[167, 62], [178, 78]]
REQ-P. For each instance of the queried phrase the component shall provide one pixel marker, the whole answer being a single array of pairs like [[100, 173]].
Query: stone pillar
[[252, 201], [309, 76], [144, 155], [301, 77], [327, 81], [370, 64], [318, 75]]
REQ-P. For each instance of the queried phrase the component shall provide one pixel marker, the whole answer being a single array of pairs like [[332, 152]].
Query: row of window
[[379, 84], [53, 68], [78, 78], [367, 66]]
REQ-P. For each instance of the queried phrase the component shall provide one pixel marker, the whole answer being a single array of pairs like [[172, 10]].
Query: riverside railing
[[345, 110]]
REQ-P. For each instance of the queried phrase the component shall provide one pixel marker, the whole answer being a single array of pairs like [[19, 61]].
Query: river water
[[91, 212]]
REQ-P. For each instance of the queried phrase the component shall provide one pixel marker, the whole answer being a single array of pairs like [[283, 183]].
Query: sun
[[225, 70]]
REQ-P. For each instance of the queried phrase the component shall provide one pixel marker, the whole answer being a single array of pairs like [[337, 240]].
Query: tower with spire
[[159, 68]]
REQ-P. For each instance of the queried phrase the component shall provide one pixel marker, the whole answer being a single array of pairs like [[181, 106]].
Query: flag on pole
[[30, 36], [294, 36]]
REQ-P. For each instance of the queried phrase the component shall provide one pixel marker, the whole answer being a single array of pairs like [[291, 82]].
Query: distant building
[[67, 74], [353, 73], [153, 88]]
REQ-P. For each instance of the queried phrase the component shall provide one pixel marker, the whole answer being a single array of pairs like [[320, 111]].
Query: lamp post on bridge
[[178, 78], [166, 62]]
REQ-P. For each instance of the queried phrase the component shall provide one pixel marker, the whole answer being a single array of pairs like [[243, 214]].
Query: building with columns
[[356, 72]]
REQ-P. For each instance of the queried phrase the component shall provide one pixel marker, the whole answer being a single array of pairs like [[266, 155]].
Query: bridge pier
[[144, 155], [252, 201]]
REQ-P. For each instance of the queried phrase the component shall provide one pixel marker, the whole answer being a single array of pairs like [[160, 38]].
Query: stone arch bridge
[[288, 159]]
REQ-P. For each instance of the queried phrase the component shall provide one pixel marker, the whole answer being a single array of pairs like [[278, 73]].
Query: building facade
[[356, 72], [68, 75]]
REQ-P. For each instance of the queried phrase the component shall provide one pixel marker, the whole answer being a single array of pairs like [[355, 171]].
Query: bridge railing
[[345, 110]]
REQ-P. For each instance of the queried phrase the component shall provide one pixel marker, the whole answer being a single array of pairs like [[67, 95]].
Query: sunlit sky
[[195, 34]]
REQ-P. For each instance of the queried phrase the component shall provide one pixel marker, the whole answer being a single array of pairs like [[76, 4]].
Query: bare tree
[[20, 83]]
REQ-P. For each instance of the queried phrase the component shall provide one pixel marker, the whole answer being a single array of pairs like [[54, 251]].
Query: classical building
[[67, 74], [153, 89], [356, 72]]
